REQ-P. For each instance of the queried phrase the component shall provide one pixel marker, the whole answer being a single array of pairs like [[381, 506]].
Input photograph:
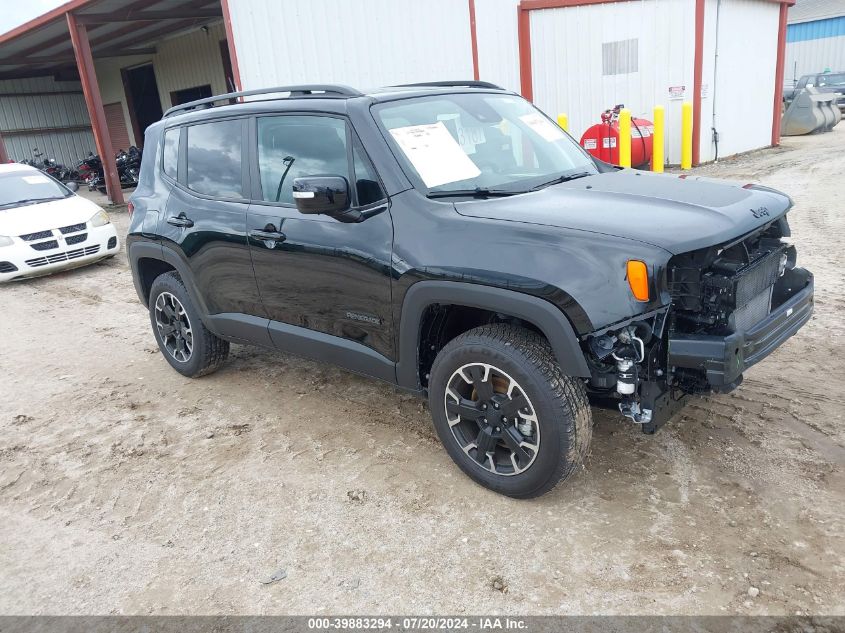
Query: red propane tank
[[602, 141]]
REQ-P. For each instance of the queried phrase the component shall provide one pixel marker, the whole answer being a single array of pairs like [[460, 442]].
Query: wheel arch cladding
[[546, 317], [169, 260]]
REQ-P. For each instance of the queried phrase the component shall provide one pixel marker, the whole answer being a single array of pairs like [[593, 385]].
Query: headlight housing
[[5, 241], [100, 218]]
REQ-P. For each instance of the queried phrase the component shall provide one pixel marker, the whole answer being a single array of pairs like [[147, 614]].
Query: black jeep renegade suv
[[449, 238]]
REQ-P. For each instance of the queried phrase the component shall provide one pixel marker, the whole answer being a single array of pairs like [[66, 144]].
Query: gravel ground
[[126, 488]]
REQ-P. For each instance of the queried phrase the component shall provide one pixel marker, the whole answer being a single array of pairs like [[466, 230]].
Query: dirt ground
[[126, 488]]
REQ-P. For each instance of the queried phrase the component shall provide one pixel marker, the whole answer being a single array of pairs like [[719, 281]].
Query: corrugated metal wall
[[568, 73], [498, 42], [811, 47], [64, 109], [745, 78], [364, 44]]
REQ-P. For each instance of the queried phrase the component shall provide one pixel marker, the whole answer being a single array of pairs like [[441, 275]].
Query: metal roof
[[115, 28], [811, 10]]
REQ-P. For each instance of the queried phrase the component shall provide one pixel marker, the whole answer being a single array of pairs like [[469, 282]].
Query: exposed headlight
[[5, 241], [100, 218]]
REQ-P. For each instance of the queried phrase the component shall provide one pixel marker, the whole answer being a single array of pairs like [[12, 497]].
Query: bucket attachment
[[811, 112]]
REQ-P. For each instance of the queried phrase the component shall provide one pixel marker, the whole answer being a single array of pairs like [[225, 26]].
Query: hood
[[676, 214], [33, 218]]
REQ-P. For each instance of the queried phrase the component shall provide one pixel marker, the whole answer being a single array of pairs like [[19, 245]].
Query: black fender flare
[[153, 250], [544, 315]]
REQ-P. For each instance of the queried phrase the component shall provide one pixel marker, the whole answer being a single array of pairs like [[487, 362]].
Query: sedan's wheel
[[506, 413], [189, 347], [492, 419], [174, 327]]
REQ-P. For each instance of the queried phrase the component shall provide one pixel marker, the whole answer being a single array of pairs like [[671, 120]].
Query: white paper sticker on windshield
[[36, 180], [435, 154], [542, 126]]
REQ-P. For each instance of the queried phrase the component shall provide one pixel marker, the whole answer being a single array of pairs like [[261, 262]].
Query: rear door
[[313, 271], [205, 218]]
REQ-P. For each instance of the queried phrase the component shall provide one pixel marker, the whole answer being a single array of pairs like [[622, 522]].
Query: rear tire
[[182, 337], [500, 387]]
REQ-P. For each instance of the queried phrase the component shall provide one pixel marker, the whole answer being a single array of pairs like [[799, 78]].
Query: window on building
[[170, 160], [620, 57], [178, 97], [214, 158], [291, 147]]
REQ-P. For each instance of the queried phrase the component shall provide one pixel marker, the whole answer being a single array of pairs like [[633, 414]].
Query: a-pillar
[[94, 101]]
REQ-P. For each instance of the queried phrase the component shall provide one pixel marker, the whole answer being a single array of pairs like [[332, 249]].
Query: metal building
[[815, 38], [128, 60]]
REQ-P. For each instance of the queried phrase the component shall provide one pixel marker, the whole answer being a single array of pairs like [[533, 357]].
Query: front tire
[[182, 337], [505, 412]]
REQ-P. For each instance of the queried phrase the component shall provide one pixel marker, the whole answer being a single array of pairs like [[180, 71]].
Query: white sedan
[[45, 226]]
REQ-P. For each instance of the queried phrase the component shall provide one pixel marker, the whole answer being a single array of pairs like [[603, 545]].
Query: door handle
[[269, 234], [180, 220]]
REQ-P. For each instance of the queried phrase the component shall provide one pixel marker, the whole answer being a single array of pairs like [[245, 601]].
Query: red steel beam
[[777, 105], [697, 73], [4, 155], [230, 42], [94, 101], [473, 36]]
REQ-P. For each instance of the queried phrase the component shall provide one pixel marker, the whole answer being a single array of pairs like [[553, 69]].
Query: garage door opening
[[142, 98]]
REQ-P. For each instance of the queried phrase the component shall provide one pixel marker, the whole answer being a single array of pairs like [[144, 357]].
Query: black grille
[[73, 228], [76, 239], [30, 237], [7, 267], [112, 242], [62, 257], [45, 246]]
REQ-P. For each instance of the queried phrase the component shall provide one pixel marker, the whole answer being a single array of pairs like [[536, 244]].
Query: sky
[[14, 12]]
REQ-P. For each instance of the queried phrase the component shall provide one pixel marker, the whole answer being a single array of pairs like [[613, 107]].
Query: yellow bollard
[[563, 121], [686, 135], [625, 137], [657, 152]]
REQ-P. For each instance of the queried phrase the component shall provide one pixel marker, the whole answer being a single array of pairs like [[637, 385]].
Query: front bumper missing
[[723, 359]]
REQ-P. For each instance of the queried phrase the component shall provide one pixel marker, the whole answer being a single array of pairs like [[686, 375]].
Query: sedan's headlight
[[5, 241], [100, 218]]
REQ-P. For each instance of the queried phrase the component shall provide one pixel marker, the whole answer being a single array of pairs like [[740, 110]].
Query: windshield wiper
[[478, 192], [564, 178], [26, 201]]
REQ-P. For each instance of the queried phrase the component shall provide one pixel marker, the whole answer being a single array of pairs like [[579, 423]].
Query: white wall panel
[[365, 44], [498, 42], [813, 56], [566, 55], [745, 79], [20, 111]]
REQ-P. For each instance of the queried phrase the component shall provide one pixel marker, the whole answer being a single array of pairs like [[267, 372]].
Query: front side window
[[170, 160], [480, 141], [291, 147], [214, 158]]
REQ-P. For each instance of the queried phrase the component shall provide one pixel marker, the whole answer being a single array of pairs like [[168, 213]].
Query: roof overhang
[[116, 28]]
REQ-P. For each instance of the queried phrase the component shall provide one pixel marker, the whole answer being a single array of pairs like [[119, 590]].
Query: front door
[[313, 271], [205, 218]]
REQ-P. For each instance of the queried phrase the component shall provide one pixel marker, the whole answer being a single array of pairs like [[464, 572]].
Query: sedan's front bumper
[[724, 358], [22, 261]]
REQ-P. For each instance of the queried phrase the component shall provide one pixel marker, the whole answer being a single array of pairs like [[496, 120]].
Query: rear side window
[[214, 159], [292, 147], [170, 161]]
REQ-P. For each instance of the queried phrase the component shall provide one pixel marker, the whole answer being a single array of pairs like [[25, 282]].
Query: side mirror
[[72, 185], [328, 195]]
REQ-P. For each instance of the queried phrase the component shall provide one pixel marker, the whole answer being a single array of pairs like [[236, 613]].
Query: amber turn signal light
[[638, 279]]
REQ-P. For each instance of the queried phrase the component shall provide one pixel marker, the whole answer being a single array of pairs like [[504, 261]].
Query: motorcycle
[[128, 169]]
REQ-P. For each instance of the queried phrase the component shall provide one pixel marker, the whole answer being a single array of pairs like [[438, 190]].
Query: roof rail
[[452, 84], [304, 90]]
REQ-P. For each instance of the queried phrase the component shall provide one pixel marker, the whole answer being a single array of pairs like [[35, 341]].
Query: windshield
[[484, 142], [29, 187], [837, 79]]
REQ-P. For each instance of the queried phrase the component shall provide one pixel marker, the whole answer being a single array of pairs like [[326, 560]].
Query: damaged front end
[[731, 305]]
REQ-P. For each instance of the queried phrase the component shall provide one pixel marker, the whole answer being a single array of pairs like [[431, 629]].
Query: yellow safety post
[[563, 121], [686, 135], [657, 151], [625, 137]]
